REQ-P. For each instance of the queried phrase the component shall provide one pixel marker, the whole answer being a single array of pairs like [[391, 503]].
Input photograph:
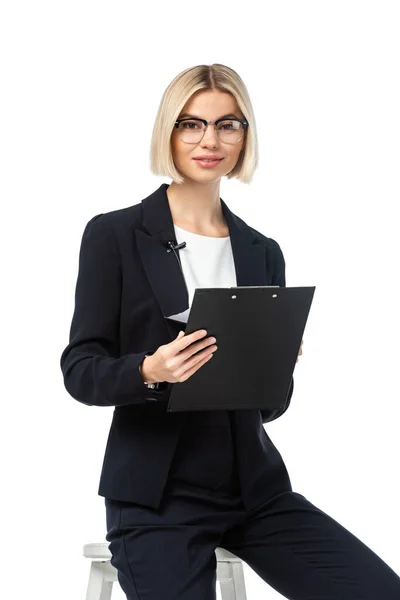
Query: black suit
[[127, 282], [225, 485]]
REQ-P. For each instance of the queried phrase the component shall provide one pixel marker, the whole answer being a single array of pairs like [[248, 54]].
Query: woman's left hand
[[300, 351]]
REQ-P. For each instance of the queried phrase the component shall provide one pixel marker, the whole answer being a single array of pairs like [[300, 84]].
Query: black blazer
[[126, 286]]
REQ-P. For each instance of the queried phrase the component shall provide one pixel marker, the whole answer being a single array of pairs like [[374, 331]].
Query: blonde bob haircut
[[202, 77]]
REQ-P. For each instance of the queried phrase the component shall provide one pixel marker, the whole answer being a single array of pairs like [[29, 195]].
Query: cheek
[[179, 152], [235, 156]]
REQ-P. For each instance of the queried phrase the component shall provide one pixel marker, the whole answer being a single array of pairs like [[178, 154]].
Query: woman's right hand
[[175, 362]]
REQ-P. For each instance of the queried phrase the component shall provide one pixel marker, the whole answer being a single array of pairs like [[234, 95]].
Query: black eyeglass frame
[[244, 123]]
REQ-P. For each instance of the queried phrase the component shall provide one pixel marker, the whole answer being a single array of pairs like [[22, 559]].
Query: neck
[[196, 204]]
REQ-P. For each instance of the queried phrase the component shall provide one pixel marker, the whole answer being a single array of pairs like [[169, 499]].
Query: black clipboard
[[258, 331]]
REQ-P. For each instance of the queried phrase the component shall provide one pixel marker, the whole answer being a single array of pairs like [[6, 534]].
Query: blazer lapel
[[162, 268]]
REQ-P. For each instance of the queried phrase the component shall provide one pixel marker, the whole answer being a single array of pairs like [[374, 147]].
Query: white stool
[[103, 574]]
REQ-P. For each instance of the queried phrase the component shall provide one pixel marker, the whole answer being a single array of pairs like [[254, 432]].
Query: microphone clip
[[174, 246]]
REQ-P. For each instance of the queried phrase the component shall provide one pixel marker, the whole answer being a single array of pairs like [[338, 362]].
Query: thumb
[[180, 334]]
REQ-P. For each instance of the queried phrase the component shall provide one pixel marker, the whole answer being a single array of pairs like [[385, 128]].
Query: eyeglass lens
[[228, 131]]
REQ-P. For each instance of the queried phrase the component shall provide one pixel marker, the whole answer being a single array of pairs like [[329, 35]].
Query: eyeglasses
[[229, 131]]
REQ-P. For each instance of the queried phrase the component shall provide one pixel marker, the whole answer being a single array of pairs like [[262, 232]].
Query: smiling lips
[[212, 157], [208, 162]]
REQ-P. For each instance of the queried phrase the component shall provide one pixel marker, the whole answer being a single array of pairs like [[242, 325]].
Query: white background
[[81, 83]]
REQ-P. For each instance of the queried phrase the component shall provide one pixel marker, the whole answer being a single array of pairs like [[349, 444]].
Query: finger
[[190, 372], [186, 340], [189, 360], [195, 348]]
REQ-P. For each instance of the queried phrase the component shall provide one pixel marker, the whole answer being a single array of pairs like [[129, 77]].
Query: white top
[[206, 262]]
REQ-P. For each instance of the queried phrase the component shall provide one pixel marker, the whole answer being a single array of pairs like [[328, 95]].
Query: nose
[[210, 136]]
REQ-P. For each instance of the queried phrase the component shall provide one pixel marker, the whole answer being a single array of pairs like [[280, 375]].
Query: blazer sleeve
[[278, 278], [93, 370]]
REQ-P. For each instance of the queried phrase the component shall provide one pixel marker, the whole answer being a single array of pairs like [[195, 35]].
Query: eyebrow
[[228, 116]]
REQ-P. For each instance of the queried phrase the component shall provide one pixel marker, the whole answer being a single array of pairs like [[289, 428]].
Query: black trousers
[[295, 547]]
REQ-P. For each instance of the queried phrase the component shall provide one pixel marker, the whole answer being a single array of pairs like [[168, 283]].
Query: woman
[[177, 485]]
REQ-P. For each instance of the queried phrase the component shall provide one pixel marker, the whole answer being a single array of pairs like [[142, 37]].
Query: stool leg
[[98, 588], [232, 584], [238, 581]]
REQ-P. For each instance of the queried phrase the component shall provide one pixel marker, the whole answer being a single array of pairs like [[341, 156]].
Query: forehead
[[211, 104]]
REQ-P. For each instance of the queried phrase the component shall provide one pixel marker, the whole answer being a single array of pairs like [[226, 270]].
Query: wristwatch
[[151, 386]]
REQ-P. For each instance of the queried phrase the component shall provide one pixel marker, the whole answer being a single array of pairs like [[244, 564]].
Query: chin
[[199, 174], [192, 173], [207, 178]]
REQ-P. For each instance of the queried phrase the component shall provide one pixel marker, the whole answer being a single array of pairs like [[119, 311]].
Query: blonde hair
[[202, 77]]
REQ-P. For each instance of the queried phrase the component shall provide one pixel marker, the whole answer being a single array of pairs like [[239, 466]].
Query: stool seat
[[100, 551], [103, 574]]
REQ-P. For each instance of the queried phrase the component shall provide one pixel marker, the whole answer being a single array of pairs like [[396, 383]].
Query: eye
[[229, 125], [190, 124]]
